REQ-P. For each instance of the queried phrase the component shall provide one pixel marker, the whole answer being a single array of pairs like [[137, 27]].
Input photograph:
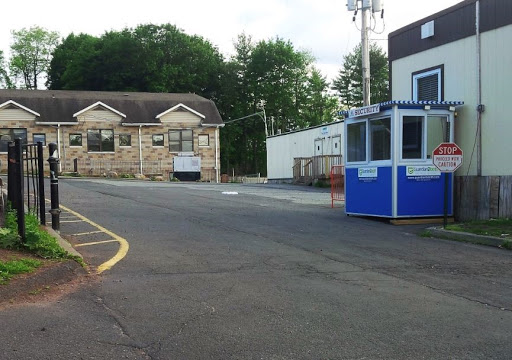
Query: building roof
[[59, 106], [413, 104]]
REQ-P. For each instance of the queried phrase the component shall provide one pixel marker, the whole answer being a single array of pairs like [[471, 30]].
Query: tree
[[31, 54], [74, 64], [5, 81], [150, 58], [349, 80], [320, 107], [294, 92]]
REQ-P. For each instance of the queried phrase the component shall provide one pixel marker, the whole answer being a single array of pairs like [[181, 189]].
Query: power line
[[245, 117]]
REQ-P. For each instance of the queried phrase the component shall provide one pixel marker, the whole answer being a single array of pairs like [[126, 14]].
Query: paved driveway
[[264, 272]]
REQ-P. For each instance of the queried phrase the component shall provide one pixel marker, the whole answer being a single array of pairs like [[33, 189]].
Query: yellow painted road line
[[96, 243], [87, 233], [123, 244], [70, 221]]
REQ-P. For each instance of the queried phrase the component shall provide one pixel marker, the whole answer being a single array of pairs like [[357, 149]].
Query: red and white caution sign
[[447, 157]]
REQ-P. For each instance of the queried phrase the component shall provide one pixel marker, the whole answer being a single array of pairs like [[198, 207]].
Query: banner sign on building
[[422, 173], [367, 110], [367, 174]]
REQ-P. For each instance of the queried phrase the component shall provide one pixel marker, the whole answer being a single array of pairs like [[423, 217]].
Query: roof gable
[[96, 104], [10, 103], [179, 107]]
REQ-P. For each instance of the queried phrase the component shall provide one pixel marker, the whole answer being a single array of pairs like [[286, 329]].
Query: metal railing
[[308, 169], [26, 181], [337, 184], [106, 167]]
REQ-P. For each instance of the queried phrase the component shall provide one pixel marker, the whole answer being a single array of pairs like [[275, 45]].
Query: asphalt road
[[271, 272]]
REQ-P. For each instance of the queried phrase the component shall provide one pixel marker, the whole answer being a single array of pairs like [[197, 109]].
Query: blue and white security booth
[[388, 166]]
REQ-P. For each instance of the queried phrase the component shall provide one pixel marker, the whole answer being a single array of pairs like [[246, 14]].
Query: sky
[[322, 27]]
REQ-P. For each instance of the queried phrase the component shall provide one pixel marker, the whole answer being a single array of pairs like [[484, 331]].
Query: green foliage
[[9, 239], [321, 184], [494, 227], [13, 267], [294, 92], [31, 54], [349, 80], [40, 242], [5, 80], [127, 176], [148, 58]]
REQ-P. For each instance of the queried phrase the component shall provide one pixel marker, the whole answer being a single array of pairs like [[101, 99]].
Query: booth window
[[380, 139], [428, 84], [7, 135], [438, 131], [100, 140], [412, 137], [356, 142]]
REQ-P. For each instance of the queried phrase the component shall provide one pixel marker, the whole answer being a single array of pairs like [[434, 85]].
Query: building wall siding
[[181, 117], [15, 115], [460, 83], [282, 149], [123, 159]]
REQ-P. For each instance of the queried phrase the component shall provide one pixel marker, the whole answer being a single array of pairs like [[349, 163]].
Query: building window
[[8, 135], [204, 140], [356, 142], [158, 140], [181, 140], [125, 140], [412, 137], [100, 140], [428, 84], [75, 139], [39, 138], [380, 139]]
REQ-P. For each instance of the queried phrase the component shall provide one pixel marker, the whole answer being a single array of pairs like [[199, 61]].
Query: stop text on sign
[[448, 150]]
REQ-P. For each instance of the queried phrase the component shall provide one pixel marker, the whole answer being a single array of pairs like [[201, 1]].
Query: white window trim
[[386, 162], [203, 146], [346, 142], [423, 158], [425, 74]]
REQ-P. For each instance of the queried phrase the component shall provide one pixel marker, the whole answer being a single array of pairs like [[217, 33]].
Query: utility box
[[187, 168]]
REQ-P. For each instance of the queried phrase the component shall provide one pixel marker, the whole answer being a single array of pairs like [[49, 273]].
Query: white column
[[140, 148], [58, 147]]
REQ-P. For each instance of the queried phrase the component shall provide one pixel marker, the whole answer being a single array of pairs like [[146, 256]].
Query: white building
[[464, 53], [319, 141]]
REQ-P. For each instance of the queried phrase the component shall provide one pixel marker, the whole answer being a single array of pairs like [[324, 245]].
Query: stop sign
[[447, 157]]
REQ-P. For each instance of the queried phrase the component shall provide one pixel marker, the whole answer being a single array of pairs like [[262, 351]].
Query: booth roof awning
[[410, 104]]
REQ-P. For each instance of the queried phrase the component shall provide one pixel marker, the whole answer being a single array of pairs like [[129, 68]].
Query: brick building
[[126, 133]]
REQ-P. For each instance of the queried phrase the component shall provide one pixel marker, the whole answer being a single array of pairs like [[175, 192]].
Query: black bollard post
[[54, 186]]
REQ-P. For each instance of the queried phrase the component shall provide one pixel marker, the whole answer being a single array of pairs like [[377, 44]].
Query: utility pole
[[367, 7], [365, 52]]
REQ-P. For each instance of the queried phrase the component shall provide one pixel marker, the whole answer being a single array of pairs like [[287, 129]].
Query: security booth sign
[[447, 157]]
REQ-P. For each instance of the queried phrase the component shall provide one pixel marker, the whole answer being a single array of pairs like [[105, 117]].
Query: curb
[[63, 243], [466, 237]]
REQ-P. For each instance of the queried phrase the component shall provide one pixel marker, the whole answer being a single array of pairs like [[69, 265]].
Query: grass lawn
[[495, 227]]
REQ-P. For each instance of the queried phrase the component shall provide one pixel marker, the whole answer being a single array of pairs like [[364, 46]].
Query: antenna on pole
[[366, 7]]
